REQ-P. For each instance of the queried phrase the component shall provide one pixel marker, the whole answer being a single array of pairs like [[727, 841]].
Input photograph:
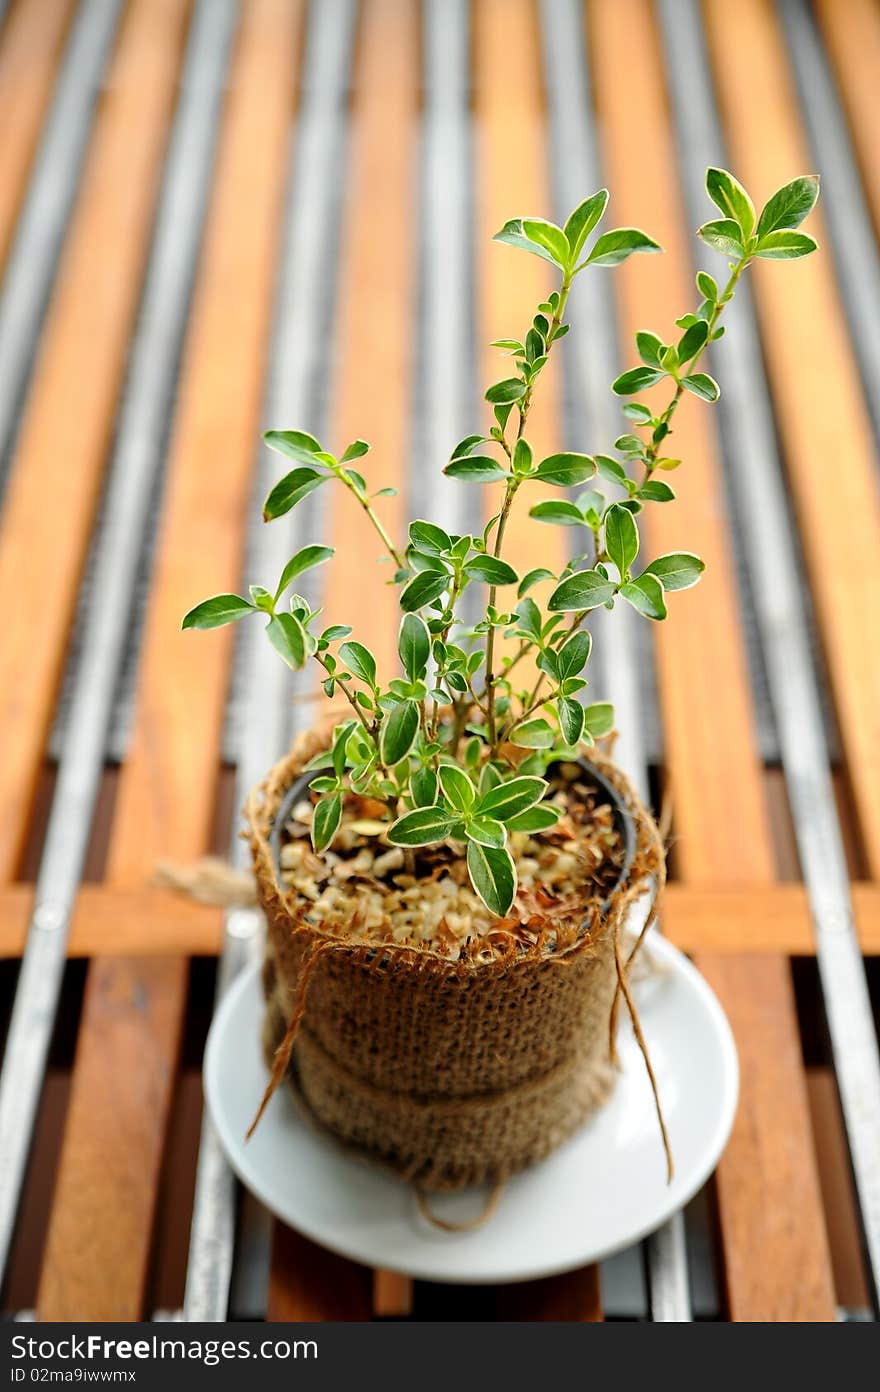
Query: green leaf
[[707, 286], [486, 831], [493, 876], [677, 571], [414, 646], [582, 221], [219, 610], [355, 450], [399, 730], [571, 719], [646, 595], [475, 468], [291, 490], [509, 799], [458, 789], [325, 821], [513, 234], [573, 656], [529, 616], [262, 598], [656, 491], [702, 385], [305, 559], [584, 590], [613, 247], [550, 237], [560, 511], [336, 631], [650, 348], [492, 570], [599, 718], [611, 469], [729, 195], [621, 537], [566, 469], [295, 444], [423, 786], [539, 818], [692, 341], [429, 537], [534, 577], [467, 445], [287, 636], [636, 380], [722, 235], [502, 393], [785, 246], [534, 734], [360, 661], [421, 827], [341, 736], [423, 589], [522, 458], [789, 205]]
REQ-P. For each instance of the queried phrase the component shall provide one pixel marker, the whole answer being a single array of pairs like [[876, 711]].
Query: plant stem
[[510, 494], [723, 299], [374, 518]]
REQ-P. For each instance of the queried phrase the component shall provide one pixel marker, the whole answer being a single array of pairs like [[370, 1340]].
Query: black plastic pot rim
[[622, 815]]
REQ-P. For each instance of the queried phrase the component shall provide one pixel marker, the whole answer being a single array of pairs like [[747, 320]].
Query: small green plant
[[456, 746]]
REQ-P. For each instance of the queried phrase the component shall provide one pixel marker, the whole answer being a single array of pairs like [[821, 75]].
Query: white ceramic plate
[[601, 1191]]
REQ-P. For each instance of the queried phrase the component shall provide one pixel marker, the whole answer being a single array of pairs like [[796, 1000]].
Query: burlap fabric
[[450, 1073]]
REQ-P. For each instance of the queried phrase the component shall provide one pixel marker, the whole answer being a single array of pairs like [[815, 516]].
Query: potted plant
[[447, 862]]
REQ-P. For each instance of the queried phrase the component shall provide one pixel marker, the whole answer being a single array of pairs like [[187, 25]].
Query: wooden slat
[[32, 42], [722, 831], [97, 1254], [823, 418], [852, 38], [50, 504], [512, 180], [311, 1284], [374, 386], [143, 922]]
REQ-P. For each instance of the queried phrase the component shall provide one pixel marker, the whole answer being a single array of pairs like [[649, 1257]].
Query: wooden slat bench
[[328, 252]]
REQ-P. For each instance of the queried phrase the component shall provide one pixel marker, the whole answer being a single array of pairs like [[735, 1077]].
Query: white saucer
[[601, 1191]]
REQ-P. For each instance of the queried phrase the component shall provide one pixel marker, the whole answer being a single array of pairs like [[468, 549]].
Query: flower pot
[[451, 1072]]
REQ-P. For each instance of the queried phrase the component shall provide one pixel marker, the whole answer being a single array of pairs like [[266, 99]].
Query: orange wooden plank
[[167, 787], [126, 1058], [372, 391], [852, 37], [512, 180], [145, 922], [721, 824], [817, 392], [375, 323], [56, 477], [32, 42]]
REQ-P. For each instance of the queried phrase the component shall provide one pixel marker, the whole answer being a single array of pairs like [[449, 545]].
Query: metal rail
[[577, 170], [852, 234], [33, 256], [135, 464], [756, 474], [299, 362]]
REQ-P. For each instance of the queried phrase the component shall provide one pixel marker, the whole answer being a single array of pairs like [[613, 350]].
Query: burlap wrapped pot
[[449, 1072]]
